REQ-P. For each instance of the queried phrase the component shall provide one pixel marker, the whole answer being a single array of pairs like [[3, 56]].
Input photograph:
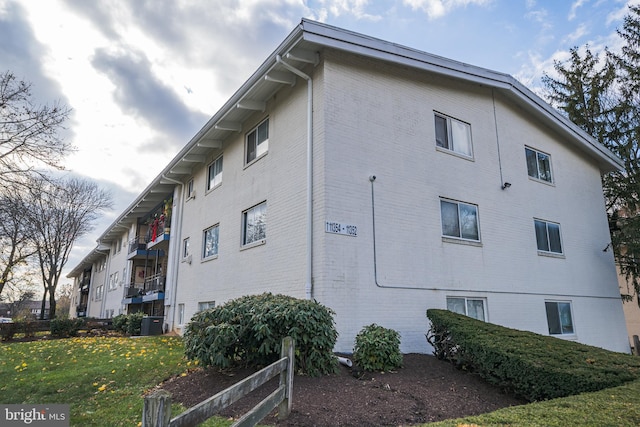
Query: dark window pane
[[251, 146], [553, 319], [541, 236], [564, 309], [554, 238], [532, 164], [441, 132]]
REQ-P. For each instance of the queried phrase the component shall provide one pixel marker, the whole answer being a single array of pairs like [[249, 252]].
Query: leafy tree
[[60, 213], [29, 133], [601, 95]]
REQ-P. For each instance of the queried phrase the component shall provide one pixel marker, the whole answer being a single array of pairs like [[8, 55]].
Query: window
[[99, 292], [538, 164], [459, 220], [453, 135], [254, 224], [190, 189], [472, 307], [113, 281], [257, 142], [180, 314], [559, 317], [206, 305], [214, 173], [210, 242], [548, 236], [185, 248]]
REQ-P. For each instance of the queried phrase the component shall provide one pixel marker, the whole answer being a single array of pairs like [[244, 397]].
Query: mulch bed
[[424, 390]]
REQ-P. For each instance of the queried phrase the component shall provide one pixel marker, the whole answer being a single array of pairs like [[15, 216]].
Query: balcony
[[81, 311], [151, 290], [158, 232], [138, 249]]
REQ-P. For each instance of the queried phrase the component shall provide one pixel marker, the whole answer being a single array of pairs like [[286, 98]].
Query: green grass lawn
[[103, 379]]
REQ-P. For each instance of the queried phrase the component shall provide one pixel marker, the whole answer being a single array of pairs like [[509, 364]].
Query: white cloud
[[574, 7], [438, 8]]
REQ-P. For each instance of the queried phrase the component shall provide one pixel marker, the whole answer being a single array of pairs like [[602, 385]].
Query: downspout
[[309, 250], [174, 251]]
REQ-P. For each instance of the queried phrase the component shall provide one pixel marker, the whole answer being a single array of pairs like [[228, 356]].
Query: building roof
[[300, 48]]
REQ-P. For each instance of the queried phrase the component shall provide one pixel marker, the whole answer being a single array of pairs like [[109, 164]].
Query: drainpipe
[[176, 224], [309, 251]]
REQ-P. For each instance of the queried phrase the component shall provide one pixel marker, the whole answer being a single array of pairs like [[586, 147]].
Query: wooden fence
[[157, 406]]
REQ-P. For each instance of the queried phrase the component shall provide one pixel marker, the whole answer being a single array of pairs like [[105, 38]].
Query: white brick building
[[485, 200]]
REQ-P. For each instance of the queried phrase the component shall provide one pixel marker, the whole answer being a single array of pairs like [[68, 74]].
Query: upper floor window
[[254, 224], [548, 236], [453, 135], [538, 164], [472, 307], [559, 317], [214, 173], [459, 220], [210, 242], [185, 248], [257, 142], [190, 189]]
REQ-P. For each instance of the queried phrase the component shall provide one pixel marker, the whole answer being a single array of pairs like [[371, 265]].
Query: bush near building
[[377, 349], [249, 330]]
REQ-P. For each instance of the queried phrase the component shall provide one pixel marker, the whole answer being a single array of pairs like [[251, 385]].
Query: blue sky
[[143, 77]]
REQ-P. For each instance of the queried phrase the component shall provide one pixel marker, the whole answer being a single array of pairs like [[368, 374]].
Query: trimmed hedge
[[377, 349], [533, 366], [249, 330]]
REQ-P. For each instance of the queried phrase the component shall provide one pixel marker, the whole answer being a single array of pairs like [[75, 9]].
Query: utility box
[[151, 325]]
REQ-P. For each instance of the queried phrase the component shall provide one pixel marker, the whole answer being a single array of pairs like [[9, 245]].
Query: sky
[[142, 77]]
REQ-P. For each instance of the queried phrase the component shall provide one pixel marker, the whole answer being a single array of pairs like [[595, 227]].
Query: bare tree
[[16, 244], [29, 133], [59, 214]]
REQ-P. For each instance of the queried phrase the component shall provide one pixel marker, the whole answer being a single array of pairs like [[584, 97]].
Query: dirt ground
[[424, 390]]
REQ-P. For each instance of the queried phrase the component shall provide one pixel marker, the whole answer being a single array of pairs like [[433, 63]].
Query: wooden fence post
[[286, 378], [156, 411]]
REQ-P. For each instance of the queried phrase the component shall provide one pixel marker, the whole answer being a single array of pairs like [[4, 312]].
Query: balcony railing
[[137, 243], [152, 284]]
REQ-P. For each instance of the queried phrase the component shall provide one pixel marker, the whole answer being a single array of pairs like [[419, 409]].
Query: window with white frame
[[257, 142], [190, 189], [180, 314], [206, 305], [559, 317], [453, 135], [459, 220], [548, 236], [113, 281], [99, 292], [185, 248], [254, 224], [538, 164], [472, 307], [210, 242], [214, 173]]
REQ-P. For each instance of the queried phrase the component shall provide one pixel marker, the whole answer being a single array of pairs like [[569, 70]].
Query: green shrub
[[134, 323], [8, 330], [250, 329], [129, 324], [120, 323], [377, 349], [533, 366], [65, 327]]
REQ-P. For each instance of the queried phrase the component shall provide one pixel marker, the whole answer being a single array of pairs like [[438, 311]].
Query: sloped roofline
[[311, 34]]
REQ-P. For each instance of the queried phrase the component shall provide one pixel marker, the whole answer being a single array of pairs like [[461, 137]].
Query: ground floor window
[[559, 317], [206, 305], [472, 307], [180, 314]]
